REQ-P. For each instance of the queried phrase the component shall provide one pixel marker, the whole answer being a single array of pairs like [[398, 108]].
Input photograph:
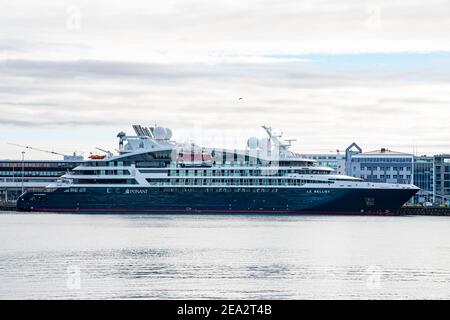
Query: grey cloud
[[110, 70], [30, 104], [293, 74], [106, 73], [13, 46], [55, 123], [374, 109], [118, 69], [91, 94], [415, 101], [90, 68]]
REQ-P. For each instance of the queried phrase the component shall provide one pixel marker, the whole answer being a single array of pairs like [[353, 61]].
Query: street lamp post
[[23, 168]]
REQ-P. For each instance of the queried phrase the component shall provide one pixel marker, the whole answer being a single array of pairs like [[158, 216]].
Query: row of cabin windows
[[166, 163], [219, 190], [199, 172], [235, 182], [187, 189], [253, 163], [105, 181], [243, 173], [75, 190], [138, 164], [102, 172], [107, 163], [239, 173], [152, 161]]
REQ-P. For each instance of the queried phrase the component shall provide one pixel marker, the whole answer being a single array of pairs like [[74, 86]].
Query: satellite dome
[[159, 133], [252, 143], [168, 134]]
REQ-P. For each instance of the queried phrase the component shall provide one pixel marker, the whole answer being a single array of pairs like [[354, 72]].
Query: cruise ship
[[151, 173]]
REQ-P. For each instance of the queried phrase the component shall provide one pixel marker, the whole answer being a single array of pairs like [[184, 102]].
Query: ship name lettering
[[137, 191], [318, 191]]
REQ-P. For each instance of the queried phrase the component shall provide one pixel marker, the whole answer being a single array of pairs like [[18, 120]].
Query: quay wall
[[425, 211]]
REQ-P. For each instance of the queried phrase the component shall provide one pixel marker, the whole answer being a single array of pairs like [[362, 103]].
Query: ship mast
[[276, 139]]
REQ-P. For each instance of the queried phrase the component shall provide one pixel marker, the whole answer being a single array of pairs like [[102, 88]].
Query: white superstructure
[[151, 159]]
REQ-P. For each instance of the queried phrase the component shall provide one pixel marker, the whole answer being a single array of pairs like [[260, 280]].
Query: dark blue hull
[[202, 200]]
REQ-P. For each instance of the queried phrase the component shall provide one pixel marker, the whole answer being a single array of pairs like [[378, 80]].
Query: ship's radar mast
[[121, 135], [276, 139]]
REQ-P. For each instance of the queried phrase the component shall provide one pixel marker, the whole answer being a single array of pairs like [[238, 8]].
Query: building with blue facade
[[424, 178], [442, 179], [382, 165]]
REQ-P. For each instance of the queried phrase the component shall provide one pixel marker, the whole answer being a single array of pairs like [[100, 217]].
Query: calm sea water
[[46, 256]]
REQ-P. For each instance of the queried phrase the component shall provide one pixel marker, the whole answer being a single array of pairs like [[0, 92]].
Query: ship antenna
[[275, 138]]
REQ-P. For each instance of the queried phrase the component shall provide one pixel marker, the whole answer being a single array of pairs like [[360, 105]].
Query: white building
[[335, 161]]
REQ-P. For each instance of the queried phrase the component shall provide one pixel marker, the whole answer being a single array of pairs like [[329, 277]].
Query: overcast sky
[[74, 73]]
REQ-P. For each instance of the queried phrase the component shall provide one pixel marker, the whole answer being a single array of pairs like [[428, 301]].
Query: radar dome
[[252, 143], [159, 133], [168, 134]]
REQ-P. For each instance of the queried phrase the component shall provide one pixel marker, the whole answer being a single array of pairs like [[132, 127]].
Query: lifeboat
[[97, 156]]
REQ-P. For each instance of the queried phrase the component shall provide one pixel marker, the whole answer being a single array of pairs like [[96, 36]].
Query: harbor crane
[[46, 151]]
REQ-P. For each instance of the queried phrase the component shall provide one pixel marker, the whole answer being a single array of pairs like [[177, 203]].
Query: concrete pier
[[425, 211], [417, 211]]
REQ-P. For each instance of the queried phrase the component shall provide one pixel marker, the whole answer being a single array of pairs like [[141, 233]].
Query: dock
[[406, 210], [425, 211], [8, 206]]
